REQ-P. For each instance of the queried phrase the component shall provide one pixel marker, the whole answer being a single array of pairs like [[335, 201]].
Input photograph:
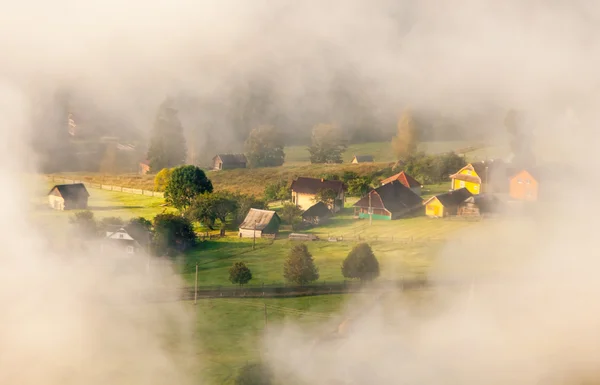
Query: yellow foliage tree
[[405, 142], [162, 179]]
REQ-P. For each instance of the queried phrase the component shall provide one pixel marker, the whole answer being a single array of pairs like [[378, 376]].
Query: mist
[[231, 65]]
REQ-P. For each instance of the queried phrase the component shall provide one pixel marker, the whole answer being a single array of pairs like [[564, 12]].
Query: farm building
[[229, 161], [479, 204], [524, 187], [259, 223], [317, 213], [305, 190], [390, 201], [117, 238], [406, 180], [68, 197], [362, 159], [467, 178], [144, 167], [446, 204]]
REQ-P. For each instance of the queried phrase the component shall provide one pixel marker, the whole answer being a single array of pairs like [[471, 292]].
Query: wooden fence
[[106, 187]]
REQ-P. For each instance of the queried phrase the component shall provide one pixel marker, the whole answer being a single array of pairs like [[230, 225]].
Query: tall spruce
[[299, 267], [405, 142], [167, 145]]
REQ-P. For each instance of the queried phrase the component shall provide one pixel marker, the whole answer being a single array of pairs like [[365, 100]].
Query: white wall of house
[[249, 233], [305, 201], [56, 202]]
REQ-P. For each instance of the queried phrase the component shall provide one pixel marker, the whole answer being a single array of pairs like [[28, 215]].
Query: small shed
[[316, 214], [118, 238], [229, 161], [446, 204], [68, 197], [406, 180], [362, 159], [259, 223]]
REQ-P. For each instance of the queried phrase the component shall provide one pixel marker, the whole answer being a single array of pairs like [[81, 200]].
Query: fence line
[[106, 187]]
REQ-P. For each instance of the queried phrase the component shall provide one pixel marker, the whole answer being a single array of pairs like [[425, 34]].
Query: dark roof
[[260, 218], [312, 185], [319, 209], [394, 197], [71, 191], [452, 198], [232, 158], [142, 237], [363, 158], [403, 178]]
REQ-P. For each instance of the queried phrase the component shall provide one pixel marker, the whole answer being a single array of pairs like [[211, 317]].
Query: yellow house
[[467, 178], [446, 204]]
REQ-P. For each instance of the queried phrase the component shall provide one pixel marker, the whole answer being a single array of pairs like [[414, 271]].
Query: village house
[[406, 180], [446, 204], [467, 178], [144, 167], [118, 239], [305, 190], [390, 201], [316, 214], [524, 187], [68, 197], [229, 161], [362, 159], [260, 223]]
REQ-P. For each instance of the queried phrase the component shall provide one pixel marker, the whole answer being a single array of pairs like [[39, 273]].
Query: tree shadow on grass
[[109, 208]]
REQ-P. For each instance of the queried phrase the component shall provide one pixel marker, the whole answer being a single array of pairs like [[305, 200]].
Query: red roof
[[403, 178]]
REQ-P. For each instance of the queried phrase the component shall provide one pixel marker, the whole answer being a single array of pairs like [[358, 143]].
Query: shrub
[[239, 273], [361, 263]]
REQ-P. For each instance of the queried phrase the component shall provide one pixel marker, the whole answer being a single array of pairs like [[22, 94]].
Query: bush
[[361, 263], [239, 273], [299, 267], [290, 212], [254, 374]]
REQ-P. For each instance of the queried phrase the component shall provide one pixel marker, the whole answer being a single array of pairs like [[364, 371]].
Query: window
[[461, 184], [293, 199], [129, 249], [121, 235], [519, 181]]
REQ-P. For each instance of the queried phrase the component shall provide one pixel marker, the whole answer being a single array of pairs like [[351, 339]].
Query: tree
[[361, 263], [347, 176], [444, 165], [278, 191], [84, 224], [264, 147], [140, 229], [327, 196], [327, 144], [245, 203], [254, 374], [359, 187], [162, 178], [299, 267], [109, 222], [167, 145], [405, 142], [185, 184], [421, 167], [289, 212], [172, 233], [239, 273], [208, 208]]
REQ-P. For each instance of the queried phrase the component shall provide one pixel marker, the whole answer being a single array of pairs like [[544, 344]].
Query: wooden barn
[[259, 223], [305, 190], [390, 201], [524, 187], [68, 197], [406, 180], [362, 159], [446, 204], [229, 161], [317, 214]]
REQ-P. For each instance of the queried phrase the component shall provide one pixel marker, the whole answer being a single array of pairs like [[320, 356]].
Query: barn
[[316, 214], [390, 201], [362, 159], [406, 180], [446, 204], [68, 197], [259, 223]]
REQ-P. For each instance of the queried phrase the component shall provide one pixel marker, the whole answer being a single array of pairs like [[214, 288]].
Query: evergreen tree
[[239, 273], [406, 140], [299, 267], [361, 263], [167, 145]]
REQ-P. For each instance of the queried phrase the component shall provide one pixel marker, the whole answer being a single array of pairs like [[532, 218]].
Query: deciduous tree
[[239, 273], [361, 263], [289, 212], [172, 233], [161, 180], [405, 142], [84, 224], [299, 267], [327, 196], [185, 184], [278, 191], [167, 145], [327, 144], [208, 208], [264, 147]]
